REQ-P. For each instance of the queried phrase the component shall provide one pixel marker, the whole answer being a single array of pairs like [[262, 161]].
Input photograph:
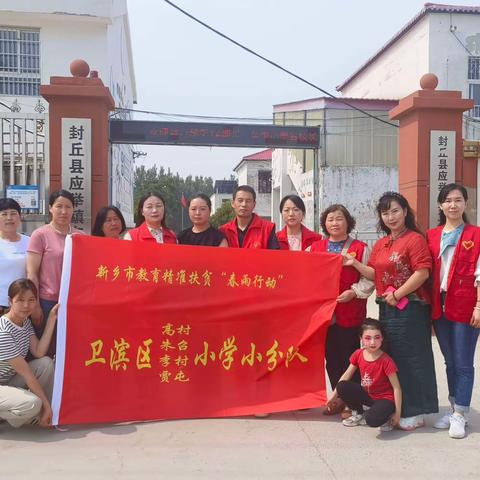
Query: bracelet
[[395, 298]]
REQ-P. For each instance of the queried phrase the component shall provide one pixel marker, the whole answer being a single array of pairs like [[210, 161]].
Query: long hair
[[443, 194], [384, 204]]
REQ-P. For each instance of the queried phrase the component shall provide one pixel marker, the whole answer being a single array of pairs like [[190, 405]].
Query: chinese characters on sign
[[76, 168], [442, 166]]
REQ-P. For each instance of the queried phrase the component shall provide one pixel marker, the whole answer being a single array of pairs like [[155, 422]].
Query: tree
[[223, 215], [170, 186]]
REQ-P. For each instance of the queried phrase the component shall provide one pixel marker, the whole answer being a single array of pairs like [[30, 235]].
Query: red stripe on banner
[[166, 331]]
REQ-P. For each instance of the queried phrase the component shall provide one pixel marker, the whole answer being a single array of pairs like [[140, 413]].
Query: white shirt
[[13, 261]]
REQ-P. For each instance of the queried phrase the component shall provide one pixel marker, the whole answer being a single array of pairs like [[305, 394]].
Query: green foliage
[[170, 186], [223, 215]]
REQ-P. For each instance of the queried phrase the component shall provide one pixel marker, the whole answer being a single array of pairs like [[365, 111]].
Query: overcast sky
[[181, 67]]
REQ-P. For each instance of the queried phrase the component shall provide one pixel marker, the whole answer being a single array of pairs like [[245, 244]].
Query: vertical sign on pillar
[[77, 167], [442, 167]]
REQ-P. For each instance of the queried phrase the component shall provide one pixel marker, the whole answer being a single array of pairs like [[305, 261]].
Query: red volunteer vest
[[308, 237], [353, 313], [461, 293], [257, 234], [143, 234]]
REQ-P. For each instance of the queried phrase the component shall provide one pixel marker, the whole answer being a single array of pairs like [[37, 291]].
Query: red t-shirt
[[374, 375], [395, 261]]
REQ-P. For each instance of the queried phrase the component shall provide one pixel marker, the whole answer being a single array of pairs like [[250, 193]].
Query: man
[[248, 230]]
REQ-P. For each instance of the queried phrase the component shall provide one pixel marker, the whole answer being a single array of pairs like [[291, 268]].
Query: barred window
[[19, 61], [264, 181], [474, 68]]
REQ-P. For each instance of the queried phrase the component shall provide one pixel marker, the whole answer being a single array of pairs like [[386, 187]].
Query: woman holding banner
[[295, 236], [400, 264], [151, 226], [342, 337], [45, 256], [201, 233], [13, 248]]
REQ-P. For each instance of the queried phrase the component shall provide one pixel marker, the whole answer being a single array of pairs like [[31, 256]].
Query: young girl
[[380, 389], [25, 388]]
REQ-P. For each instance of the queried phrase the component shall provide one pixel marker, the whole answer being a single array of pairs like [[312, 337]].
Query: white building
[[222, 193], [256, 170], [39, 40], [357, 159], [440, 39]]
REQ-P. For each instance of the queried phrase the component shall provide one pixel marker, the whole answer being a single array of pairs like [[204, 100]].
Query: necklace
[[60, 232], [400, 234]]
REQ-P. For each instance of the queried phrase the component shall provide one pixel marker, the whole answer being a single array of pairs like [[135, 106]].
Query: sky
[[183, 68]]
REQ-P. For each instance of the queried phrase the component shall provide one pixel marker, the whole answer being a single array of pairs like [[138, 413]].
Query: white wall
[[396, 73]]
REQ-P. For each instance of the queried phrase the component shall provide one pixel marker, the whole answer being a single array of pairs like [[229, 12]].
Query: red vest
[[143, 234], [353, 313], [257, 234], [308, 237], [461, 293]]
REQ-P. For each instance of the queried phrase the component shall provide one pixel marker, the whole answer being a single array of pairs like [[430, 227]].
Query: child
[[25, 388], [379, 390]]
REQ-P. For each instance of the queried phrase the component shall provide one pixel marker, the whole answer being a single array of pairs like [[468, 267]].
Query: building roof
[[427, 8], [320, 103], [224, 186], [265, 155]]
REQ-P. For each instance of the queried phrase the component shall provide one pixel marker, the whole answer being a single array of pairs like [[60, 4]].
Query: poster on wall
[[25, 195], [76, 168], [442, 167]]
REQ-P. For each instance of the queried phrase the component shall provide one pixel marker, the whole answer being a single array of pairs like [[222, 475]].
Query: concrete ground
[[293, 445]]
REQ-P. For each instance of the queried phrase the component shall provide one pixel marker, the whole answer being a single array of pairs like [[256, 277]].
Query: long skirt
[[409, 343]]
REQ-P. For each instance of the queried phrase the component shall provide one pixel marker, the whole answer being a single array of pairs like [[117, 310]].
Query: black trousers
[[355, 396], [340, 344]]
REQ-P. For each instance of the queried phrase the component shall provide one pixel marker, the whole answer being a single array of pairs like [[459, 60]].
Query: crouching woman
[[25, 387]]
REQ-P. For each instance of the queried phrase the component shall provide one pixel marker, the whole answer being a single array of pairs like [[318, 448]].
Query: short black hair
[[443, 194], [97, 230], [204, 197], [10, 204], [60, 193], [296, 200], [351, 222], [245, 188]]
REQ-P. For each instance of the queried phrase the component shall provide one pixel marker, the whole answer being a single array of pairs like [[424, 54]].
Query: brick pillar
[[419, 114], [80, 97]]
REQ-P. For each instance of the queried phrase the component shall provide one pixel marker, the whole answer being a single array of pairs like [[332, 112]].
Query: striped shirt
[[14, 342]]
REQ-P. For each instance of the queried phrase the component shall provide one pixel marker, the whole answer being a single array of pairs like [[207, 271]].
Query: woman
[[342, 337], [455, 248], [13, 248], [45, 256], [109, 223], [295, 236], [400, 264], [150, 223], [25, 388], [201, 233]]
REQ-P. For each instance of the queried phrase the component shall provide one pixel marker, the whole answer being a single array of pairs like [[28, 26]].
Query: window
[[19, 61], [474, 68], [264, 181]]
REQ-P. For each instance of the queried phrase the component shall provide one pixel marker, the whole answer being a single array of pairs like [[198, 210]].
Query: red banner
[[167, 331]]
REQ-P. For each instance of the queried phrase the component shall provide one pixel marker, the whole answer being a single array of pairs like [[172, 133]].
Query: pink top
[[49, 244]]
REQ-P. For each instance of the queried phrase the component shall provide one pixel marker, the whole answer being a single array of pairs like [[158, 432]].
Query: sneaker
[[411, 423], [457, 426], [386, 427], [444, 422], [355, 420]]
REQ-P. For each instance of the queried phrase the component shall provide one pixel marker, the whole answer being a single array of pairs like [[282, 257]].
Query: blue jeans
[[457, 342]]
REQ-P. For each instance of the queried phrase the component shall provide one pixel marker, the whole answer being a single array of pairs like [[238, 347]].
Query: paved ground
[[299, 445]]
